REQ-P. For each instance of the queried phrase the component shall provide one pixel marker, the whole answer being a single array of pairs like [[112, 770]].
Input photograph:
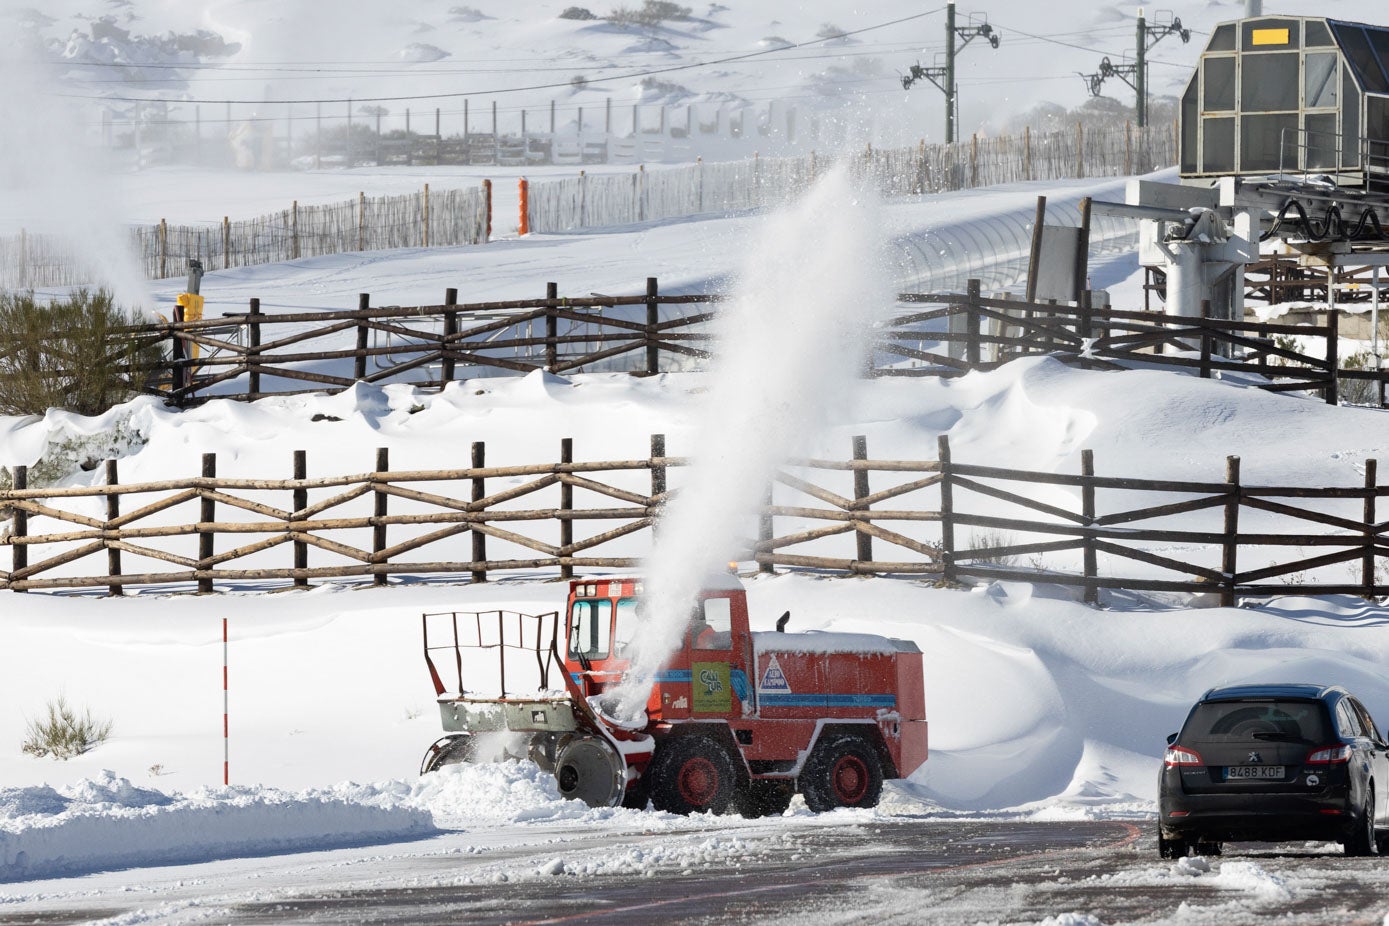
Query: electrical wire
[[550, 86]]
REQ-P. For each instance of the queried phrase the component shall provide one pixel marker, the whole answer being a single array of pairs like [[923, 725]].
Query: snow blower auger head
[[735, 720]]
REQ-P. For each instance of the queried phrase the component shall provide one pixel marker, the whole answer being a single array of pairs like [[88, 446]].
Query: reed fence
[[614, 199], [367, 223], [944, 518]]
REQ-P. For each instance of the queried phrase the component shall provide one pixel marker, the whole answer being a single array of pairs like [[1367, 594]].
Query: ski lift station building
[[1290, 94]]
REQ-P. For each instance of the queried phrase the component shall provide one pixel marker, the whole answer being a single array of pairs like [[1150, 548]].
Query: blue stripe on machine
[[820, 700], [673, 675]]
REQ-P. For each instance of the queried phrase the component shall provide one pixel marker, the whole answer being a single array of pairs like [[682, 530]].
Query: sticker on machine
[[773, 679]]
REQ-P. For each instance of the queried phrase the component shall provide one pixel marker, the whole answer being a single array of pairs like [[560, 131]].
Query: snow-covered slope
[[719, 53]]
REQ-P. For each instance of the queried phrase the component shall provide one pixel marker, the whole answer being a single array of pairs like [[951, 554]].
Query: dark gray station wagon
[[1273, 763]]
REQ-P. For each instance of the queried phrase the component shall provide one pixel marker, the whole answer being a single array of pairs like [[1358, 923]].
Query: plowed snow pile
[[107, 822]]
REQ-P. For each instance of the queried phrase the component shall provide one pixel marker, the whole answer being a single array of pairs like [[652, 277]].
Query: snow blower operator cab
[[735, 720]]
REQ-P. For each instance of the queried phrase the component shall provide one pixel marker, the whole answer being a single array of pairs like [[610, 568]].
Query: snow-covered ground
[[1040, 707]]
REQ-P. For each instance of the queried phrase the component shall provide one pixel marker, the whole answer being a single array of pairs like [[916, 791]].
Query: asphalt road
[[889, 871]]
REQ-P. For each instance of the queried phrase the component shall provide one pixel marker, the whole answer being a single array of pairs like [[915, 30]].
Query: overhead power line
[[547, 86]]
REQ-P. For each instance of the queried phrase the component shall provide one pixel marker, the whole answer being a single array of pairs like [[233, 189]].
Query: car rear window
[[1229, 721]]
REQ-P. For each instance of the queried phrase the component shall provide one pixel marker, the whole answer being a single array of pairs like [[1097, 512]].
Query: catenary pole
[[1140, 77], [950, 72]]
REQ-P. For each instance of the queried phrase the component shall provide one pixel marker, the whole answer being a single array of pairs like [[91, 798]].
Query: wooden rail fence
[[256, 354], [946, 518]]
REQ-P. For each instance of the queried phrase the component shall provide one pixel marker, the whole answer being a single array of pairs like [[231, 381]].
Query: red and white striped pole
[[226, 727]]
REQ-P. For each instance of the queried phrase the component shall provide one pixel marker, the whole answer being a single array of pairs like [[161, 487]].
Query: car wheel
[[691, 774], [843, 771], [1172, 848], [1362, 839], [1208, 849]]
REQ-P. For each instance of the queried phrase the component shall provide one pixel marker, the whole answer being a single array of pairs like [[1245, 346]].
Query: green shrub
[[63, 734], [66, 354]]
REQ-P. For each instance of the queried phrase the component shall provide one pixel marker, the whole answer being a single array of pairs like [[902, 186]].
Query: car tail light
[[1180, 755], [1329, 755]]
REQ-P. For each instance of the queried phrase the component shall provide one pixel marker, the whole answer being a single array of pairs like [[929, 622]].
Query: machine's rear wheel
[[691, 774], [843, 771], [454, 749]]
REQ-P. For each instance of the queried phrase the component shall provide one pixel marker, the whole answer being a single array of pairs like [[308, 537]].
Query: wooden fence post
[[253, 349], [424, 234], [1228, 561], [226, 243], [1080, 149], [972, 323], [378, 527], [566, 508], [359, 360], [361, 221], [163, 248], [947, 511], [448, 366], [487, 198], [1333, 356], [300, 501], [551, 329], [766, 531], [113, 513], [20, 555], [974, 160], [1085, 321], [1128, 148], [207, 515], [294, 229], [658, 480], [479, 493], [1205, 367], [1367, 563], [653, 319], [865, 540], [1087, 512]]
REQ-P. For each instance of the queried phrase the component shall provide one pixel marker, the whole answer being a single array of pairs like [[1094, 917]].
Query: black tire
[[842, 771], [765, 798], [1173, 848], [1209, 849], [691, 774], [636, 797], [450, 750], [1362, 839]]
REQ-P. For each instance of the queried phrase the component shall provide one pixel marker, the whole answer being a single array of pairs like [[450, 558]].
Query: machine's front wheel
[[691, 774], [454, 749]]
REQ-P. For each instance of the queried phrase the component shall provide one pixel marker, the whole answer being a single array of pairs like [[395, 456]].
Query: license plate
[[1253, 772]]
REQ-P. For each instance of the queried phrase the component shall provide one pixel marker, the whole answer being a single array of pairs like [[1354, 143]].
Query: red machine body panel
[[776, 692]]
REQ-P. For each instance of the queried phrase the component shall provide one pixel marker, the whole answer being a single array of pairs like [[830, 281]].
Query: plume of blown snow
[[792, 345], [52, 181]]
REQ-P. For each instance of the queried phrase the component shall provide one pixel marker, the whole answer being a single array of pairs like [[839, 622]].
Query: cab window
[[625, 627], [713, 624], [590, 623]]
